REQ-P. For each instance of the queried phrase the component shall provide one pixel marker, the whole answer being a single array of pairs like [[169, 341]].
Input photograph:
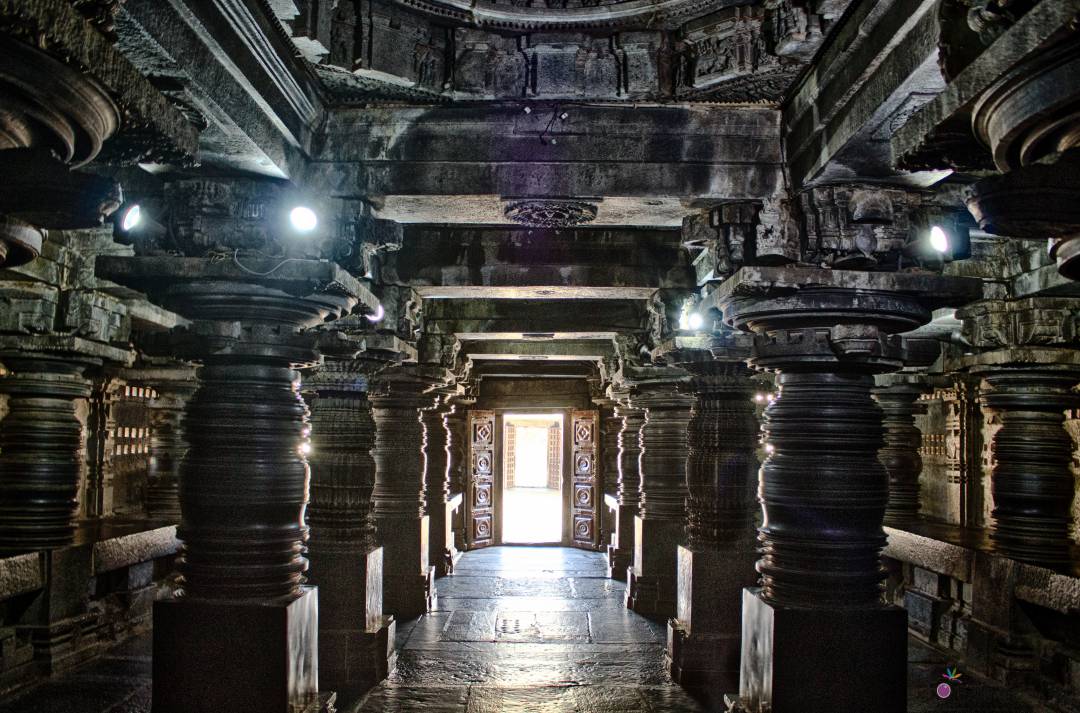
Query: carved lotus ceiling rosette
[[550, 213], [563, 14]]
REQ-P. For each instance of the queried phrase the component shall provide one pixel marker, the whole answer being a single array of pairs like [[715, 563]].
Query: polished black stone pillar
[[437, 485], [399, 496], [173, 386], [1031, 482], [717, 562], [41, 452], [898, 396], [823, 491], [356, 640], [660, 526], [620, 553]]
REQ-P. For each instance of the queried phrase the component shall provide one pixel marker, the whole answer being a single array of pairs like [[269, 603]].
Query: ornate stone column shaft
[[356, 641], [717, 562], [437, 492], [41, 453], [168, 443], [399, 495], [823, 489], [898, 396], [628, 491], [660, 526]]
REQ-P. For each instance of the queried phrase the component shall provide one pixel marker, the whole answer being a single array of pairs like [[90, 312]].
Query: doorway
[[532, 492]]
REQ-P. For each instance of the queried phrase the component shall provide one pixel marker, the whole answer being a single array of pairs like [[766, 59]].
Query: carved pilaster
[[661, 523], [628, 489]]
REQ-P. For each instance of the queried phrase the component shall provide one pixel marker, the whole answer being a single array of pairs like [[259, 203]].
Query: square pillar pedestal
[[652, 581], [620, 553], [408, 579], [356, 640], [822, 660], [705, 639], [240, 657]]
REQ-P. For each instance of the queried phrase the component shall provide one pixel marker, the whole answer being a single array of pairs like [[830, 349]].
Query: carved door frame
[[481, 488], [586, 495]]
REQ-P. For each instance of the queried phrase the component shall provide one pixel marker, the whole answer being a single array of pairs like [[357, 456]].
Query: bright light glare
[[696, 321], [131, 219], [305, 448], [939, 239], [377, 316], [759, 397], [303, 219], [769, 448]]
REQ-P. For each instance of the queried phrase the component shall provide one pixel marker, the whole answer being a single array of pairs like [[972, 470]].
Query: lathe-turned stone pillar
[[174, 386], [41, 452], [437, 485], [898, 396], [457, 473], [823, 489], [717, 562], [660, 526], [399, 497], [241, 635], [356, 640], [628, 492], [1030, 367]]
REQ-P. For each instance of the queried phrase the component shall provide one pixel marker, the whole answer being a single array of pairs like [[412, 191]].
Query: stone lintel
[[77, 348], [296, 277], [933, 289], [137, 547], [1064, 359]]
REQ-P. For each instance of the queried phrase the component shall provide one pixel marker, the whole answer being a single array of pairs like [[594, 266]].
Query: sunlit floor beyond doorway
[[532, 515]]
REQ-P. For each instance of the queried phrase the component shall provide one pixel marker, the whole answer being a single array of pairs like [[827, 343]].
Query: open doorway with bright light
[[532, 495]]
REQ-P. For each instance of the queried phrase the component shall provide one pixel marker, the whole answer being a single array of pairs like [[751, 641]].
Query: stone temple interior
[[789, 288]]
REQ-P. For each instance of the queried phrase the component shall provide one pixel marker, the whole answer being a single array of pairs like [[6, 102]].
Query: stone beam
[[533, 317], [525, 150], [232, 63], [880, 65]]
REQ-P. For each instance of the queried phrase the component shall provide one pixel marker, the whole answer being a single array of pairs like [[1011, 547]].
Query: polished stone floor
[[515, 630]]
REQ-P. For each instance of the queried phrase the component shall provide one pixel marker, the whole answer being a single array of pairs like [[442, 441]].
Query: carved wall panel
[[480, 496], [587, 484]]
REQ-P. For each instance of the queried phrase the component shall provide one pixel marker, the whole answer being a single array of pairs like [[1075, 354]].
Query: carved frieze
[[855, 226], [550, 213], [1032, 322]]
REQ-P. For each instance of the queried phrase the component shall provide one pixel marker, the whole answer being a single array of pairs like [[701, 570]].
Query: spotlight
[[696, 321], [377, 315], [135, 221], [769, 448], [303, 219], [939, 239], [305, 448], [759, 397], [131, 218]]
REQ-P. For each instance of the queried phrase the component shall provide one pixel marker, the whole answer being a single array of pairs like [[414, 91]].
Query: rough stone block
[[241, 657], [802, 660]]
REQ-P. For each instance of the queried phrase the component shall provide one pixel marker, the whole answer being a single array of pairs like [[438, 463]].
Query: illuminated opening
[[532, 478]]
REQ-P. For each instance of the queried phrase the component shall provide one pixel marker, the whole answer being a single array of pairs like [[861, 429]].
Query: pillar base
[[822, 660], [408, 596], [618, 562], [241, 657], [704, 640], [356, 641], [354, 661], [652, 582]]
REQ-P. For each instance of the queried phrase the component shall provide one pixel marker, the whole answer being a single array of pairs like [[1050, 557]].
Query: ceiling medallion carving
[[550, 213], [563, 14]]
